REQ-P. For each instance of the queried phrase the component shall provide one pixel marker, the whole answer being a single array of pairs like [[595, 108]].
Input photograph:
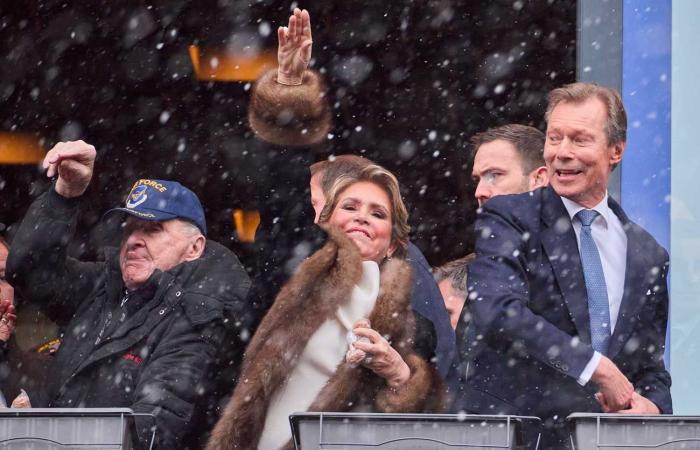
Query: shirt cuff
[[592, 365]]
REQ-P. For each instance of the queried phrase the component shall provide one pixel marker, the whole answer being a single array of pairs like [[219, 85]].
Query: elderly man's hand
[[638, 405], [73, 162], [294, 48], [7, 320], [614, 386], [382, 358]]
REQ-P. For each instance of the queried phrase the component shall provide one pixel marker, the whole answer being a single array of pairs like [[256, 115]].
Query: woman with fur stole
[[341, 334]]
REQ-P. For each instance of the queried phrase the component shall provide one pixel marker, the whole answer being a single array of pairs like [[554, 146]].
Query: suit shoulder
[[644, 242], [515, 206]]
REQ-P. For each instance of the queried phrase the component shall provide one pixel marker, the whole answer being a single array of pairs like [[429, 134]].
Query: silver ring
[[3, 320], [368, 359]]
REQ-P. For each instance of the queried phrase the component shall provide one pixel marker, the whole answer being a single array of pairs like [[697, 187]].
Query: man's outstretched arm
[[38, 265]]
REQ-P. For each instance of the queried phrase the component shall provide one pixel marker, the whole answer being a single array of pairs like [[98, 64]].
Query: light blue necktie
[[598, 307]]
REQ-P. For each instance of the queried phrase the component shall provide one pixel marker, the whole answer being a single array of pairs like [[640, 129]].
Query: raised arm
[[288, 105], [38, 265]]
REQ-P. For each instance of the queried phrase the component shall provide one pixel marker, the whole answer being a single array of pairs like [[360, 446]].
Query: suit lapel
[[559, 242], [636, 265]]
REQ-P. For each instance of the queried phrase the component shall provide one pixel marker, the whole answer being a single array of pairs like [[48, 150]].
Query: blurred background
[[161, 89]]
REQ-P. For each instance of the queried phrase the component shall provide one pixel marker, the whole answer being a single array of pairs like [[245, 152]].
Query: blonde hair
[[386, 180]]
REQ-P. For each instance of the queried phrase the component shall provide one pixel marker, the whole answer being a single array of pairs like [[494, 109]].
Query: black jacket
[[427, 302], [160, 358]]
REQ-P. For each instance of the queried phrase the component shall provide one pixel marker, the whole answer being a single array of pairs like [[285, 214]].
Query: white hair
[[188, 228]]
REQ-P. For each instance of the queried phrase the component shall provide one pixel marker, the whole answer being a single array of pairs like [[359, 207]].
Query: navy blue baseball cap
[[163, 200]]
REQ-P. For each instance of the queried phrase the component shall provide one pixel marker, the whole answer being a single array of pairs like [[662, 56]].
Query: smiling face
[[363, 212], [148, 245], [578, 156], [498, 169]]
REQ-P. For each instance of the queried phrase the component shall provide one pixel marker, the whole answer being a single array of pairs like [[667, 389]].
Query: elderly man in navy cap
[[143, 328]]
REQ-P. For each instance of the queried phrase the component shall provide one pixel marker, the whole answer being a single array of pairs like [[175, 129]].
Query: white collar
[[602, 208]]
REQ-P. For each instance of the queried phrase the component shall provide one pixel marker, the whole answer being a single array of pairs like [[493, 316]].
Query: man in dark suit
[[568, 297]]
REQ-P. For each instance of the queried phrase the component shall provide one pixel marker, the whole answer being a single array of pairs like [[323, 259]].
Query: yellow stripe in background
[[222, 65], [20, 148]]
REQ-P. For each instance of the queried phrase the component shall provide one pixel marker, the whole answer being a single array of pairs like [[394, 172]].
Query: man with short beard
[[143, 328]]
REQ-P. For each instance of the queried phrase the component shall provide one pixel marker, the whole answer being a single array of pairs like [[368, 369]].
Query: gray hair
[[188, 228], [616, 125]]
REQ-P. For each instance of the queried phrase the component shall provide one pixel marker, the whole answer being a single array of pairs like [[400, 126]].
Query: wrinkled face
[[579, 159], [7, 293], [318, 200], [363, 212], [498, 170], [148, 245], [454, 300]]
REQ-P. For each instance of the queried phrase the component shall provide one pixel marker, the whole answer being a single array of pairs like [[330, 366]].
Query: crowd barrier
[[67, 429], [113, 429], [628, 432], [359, 431]]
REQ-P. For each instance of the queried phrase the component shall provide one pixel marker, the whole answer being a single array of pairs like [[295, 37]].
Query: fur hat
[[290, 115]]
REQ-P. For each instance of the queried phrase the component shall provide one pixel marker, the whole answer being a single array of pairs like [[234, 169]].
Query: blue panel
[[646, 92], [685, 210]]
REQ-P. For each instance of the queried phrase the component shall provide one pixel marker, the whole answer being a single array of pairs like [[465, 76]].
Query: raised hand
[[73, 162], [294, 48]]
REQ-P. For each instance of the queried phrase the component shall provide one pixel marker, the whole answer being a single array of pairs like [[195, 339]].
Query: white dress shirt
[[610, 238]]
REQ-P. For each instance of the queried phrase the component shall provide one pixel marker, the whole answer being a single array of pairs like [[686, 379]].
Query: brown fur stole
[[309, 298]]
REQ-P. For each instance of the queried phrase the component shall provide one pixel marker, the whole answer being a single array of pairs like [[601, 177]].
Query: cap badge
[[137, 196]]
